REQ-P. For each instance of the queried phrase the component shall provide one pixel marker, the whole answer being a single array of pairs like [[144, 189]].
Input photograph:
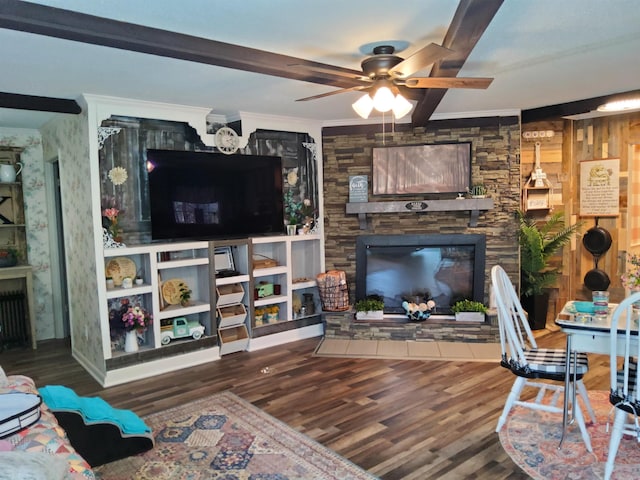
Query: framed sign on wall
[[600, 187], [415, 169]]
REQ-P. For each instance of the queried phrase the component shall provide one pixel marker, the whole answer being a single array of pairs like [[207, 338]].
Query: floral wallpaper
[[34, 192], [67, 138]]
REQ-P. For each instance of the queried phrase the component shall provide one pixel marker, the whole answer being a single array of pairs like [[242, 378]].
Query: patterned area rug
[[224, 437], [531, 439]]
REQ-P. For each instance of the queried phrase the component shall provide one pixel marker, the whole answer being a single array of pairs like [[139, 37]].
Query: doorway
[[57, 249]]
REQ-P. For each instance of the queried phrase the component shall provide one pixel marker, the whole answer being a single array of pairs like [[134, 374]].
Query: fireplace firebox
[[446, 268]]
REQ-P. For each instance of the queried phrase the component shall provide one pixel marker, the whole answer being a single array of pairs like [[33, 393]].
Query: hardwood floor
[[399, 419]]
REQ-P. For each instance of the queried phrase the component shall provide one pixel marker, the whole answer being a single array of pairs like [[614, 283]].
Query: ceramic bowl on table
[[584, 307]]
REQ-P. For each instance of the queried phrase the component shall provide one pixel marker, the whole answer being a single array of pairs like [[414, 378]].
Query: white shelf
[[234, 279], [301, 285], [172, 311], [265, 272], [118, 292], [183, 262], [270, 300]]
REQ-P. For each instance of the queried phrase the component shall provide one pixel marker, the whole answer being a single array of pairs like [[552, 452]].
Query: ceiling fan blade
[[419, 60], [333, 70], [448, 82], [335, 92]]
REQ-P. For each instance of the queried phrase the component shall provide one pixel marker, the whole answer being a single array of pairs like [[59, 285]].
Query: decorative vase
[[291, 229], [131, 341], [309, 303], [8, 172]]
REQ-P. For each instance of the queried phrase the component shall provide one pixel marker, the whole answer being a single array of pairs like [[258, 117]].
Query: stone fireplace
[[495, 149], [445, 268]]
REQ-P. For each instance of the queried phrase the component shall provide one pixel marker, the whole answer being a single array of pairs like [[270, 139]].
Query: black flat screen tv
[[207, 195]]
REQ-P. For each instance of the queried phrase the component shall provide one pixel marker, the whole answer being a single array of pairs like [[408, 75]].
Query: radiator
[[13, 319]]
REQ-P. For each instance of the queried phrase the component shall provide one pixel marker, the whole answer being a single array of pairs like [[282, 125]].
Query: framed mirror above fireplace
[[445, 268]]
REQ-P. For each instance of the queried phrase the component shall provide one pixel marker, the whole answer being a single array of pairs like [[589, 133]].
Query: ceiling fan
[[384, 74]]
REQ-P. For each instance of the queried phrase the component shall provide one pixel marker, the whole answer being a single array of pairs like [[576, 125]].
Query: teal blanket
[[93, 409]]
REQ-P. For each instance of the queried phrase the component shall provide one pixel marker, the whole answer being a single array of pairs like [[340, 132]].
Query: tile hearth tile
[[362, 347], [392, 349], [455, 350], [423, 349]]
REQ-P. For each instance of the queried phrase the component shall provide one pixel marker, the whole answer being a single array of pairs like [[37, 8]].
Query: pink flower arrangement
[[112, 216], [111, 213], [136, 318], [631, 278]]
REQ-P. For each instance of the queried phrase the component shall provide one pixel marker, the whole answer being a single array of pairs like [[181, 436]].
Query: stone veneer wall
[[495, 163], [341, 325]]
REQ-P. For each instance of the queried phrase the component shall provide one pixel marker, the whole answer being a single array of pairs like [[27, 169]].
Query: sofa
[[42, 450]]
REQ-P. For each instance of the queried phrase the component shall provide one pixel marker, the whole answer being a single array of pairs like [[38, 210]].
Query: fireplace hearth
[[437, 328]]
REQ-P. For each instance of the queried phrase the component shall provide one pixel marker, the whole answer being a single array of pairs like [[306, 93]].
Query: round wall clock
[[227, 140]]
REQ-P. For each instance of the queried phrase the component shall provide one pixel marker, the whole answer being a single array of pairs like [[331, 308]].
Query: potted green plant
[[185, 294], [469, 311], [539, 242], [370, 308]]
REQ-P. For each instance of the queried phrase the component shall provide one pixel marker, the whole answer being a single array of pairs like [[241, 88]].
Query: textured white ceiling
[[540, 53]]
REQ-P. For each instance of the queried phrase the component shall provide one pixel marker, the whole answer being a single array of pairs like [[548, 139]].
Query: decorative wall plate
[[119, 268], [227, 140], [171, 290]]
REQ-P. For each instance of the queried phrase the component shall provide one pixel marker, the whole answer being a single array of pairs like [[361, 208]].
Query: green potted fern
[[539, 242]]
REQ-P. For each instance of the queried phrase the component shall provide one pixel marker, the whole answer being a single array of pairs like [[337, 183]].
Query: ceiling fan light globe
[[401, 106], [383, 100], [363, 106]]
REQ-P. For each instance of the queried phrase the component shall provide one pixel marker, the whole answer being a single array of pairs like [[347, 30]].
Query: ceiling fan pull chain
[[384, 135]]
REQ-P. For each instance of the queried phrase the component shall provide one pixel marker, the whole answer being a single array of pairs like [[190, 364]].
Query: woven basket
[[333, 290]]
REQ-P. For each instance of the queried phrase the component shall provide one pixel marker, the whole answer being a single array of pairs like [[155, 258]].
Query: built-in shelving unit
[[224, 298], [12, 219], [298, 261], [473, 205]]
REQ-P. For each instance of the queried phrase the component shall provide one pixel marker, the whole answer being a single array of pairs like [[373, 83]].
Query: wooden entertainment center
[[224, 305]]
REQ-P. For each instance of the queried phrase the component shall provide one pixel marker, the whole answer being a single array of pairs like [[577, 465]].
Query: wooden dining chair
[[521, 355], [624, 379]]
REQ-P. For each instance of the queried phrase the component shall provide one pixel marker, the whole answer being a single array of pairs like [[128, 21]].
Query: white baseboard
[[285, 337]]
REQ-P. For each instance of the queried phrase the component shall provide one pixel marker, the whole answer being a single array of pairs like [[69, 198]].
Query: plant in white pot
[[469, 311], [370, 308]]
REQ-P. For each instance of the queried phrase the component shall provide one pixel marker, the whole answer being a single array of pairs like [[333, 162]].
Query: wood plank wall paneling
[[588, 139]]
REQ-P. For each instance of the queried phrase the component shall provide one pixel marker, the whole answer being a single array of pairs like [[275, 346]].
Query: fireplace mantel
[[473, 205]]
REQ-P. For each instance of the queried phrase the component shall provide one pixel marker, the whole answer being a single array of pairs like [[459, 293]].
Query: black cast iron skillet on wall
[[597, 241]]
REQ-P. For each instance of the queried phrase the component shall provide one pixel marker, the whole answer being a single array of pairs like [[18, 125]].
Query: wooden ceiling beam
[[80, 27], [40, 104], [471, 19], [578, 107]]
